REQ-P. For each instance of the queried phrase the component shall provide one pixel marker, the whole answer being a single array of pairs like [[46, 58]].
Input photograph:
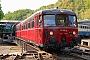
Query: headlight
[[51, 33], [74, 32]]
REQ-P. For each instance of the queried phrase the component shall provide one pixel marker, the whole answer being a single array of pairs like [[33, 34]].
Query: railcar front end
[[59, 30]]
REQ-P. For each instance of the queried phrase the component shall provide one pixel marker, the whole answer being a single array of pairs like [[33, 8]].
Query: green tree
[[59, 0], [18, 15], [87, 4], [1, 13]]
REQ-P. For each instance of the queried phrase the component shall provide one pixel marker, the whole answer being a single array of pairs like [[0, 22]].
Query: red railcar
[[52, 28]]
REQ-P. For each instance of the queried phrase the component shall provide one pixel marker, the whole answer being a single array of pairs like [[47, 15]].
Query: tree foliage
[[18, 15], [1, 13], [81, 7]]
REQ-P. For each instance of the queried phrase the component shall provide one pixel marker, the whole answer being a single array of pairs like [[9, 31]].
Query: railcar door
[[36, 29], [38, 32]]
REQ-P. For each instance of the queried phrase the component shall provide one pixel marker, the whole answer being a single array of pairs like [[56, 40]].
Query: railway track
[[33, 52], [8, 57], [76, 54], [30, 52], [69, 54], [30, 55], [82, 54]]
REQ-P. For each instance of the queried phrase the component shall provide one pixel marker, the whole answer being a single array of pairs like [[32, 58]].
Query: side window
[[24, 26], [85, 27], [21, 27], [40, 21], [36, 21], [18, 27], [32, 22], [81, 27], [28, 23]]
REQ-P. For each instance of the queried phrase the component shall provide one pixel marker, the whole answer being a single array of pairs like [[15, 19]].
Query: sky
[[13, 5]]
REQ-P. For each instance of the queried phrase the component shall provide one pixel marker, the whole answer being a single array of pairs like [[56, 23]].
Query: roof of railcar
[[51, 11], [57, 11]]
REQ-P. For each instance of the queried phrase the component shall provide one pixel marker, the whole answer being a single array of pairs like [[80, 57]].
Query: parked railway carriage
[[5, 30], [52, 28], [84, 30]]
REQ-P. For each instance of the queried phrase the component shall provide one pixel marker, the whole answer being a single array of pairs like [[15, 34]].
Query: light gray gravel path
[[10, 50]]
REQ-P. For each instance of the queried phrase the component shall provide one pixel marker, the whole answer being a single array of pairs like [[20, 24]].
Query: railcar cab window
[[61, 20], [72, 21], [64, 20], [49, 20]]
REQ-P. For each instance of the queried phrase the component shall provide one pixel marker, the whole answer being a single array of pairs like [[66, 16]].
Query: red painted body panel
[[38, 35], [60, 33]]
